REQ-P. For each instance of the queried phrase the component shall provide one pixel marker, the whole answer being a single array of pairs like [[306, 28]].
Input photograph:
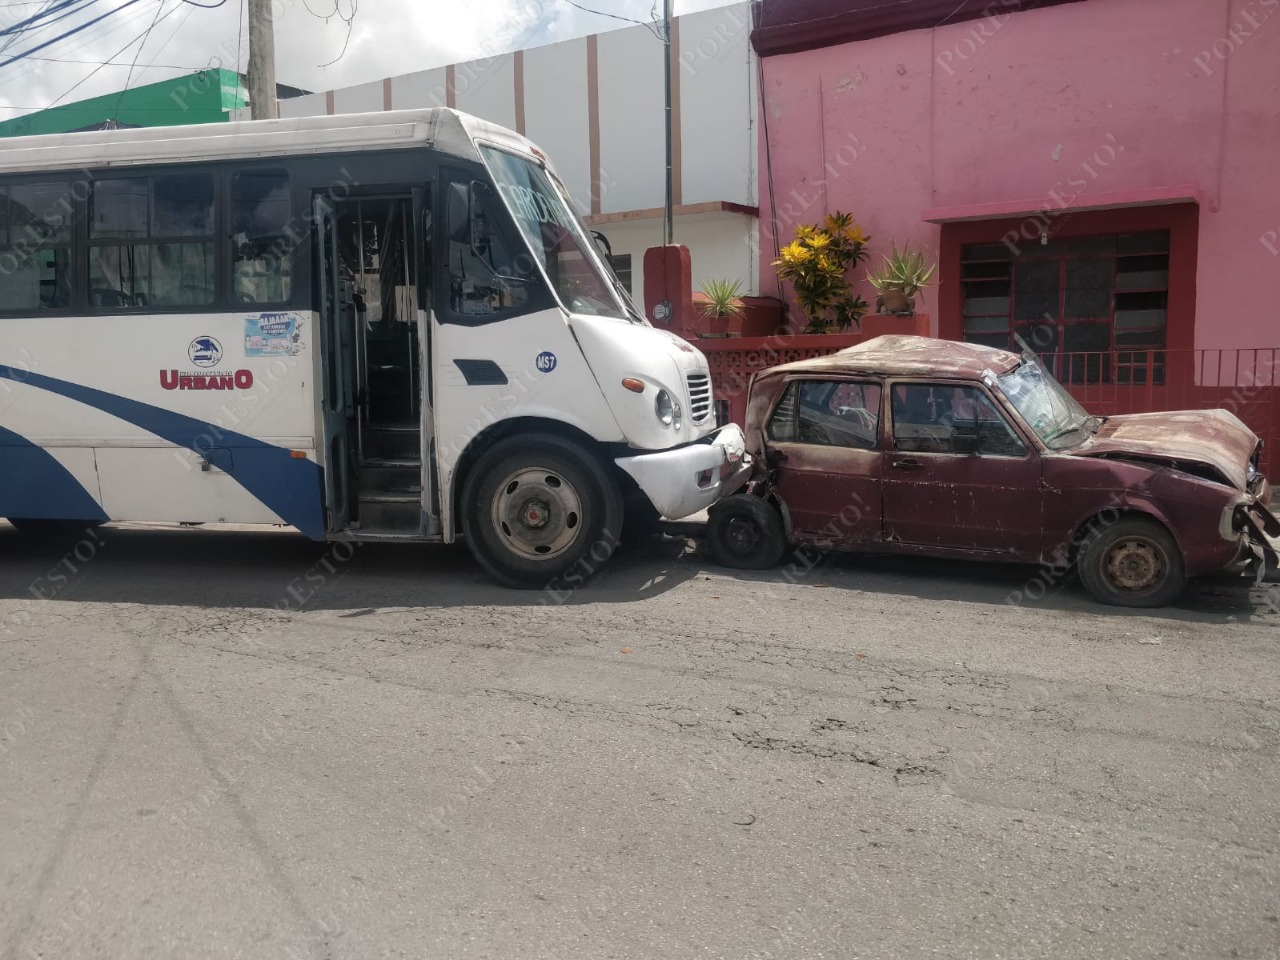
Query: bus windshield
[[555, 235]]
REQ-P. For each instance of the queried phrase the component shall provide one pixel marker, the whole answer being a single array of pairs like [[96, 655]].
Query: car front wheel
[[746, 532], [1134, 562]]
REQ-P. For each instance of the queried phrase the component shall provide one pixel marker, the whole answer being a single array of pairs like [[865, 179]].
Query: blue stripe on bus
[[292, 488], [35, 486]]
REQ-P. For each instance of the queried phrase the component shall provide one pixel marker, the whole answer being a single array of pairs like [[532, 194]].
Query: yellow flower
[[818, 241], [795, 252], [856, 234]]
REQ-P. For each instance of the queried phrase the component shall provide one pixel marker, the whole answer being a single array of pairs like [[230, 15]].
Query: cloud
[[388, 37]]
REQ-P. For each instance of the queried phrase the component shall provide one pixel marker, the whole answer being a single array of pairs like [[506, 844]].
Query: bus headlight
[[664, 409]]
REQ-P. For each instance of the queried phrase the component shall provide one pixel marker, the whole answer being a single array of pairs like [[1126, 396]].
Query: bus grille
[[699, 396]]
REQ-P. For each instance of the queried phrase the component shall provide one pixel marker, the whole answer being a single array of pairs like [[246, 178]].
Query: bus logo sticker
[[205, 352], [272, 335], [546, 361]]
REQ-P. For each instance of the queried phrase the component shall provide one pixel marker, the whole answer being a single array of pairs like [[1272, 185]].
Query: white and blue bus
[[379, 327]]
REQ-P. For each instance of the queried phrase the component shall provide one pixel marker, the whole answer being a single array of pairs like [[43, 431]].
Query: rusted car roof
[[905, 356]]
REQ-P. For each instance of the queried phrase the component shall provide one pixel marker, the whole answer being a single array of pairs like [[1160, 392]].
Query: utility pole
[[262, 61], [666, 74]]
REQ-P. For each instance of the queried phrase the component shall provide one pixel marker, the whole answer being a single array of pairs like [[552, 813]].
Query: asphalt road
[[872, 758]]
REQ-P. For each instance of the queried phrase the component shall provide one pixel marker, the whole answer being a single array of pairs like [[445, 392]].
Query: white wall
[[487, 89], [555, 112], [718, 106], [632, 138], [425, 88], [722, 246], [716, 85]]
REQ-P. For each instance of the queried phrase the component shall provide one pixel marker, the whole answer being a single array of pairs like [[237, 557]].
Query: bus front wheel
[[538, 510]]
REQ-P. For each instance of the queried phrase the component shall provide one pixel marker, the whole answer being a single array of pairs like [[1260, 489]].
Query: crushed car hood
[[1217, 438]]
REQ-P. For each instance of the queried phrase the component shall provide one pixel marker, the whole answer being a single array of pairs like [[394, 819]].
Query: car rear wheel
[[538, 509], [1134, 562], [745, 532]]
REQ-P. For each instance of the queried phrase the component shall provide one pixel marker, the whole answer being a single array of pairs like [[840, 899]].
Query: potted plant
[[719, 303], [815, 264], [902, 276]]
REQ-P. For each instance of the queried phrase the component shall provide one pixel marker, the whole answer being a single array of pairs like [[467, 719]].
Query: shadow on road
[[280, 569], [1209, 600]]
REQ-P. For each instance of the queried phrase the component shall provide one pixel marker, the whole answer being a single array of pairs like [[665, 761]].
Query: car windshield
[[556, 236], [1046, 406]]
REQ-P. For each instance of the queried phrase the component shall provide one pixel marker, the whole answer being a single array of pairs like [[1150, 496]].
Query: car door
[[823, 442], [958, 474]]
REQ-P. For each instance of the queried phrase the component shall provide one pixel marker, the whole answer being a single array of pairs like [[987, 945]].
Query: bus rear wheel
[[538, 510]]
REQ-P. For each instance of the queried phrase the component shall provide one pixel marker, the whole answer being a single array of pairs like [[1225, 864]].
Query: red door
[[824, 445], [958, 475]]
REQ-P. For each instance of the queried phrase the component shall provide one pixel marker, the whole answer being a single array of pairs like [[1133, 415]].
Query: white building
[[595, 105]]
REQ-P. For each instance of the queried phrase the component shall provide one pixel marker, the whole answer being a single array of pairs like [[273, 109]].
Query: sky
[[144, 41]]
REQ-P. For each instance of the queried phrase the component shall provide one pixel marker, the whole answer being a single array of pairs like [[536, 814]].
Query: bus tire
[[538, 510], [53, 529]]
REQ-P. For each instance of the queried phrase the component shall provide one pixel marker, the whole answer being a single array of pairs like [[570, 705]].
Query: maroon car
[[919, 446]]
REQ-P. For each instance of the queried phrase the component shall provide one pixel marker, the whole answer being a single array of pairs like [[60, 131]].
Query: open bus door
[[338, 359]]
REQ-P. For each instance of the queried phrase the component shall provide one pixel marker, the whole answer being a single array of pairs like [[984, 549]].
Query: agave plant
[[719, 298], [900, 278]]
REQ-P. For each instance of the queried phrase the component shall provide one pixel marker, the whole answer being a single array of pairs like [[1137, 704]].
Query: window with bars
[[1095, 308]]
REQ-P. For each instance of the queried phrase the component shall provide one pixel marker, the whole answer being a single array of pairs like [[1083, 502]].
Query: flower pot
[[895, 301], [761, 317]]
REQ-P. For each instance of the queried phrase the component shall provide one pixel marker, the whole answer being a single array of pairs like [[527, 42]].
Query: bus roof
[[444, 129]]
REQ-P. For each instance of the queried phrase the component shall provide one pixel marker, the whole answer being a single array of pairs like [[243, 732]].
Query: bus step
[[397, 478], [391, 512], [381, 443]]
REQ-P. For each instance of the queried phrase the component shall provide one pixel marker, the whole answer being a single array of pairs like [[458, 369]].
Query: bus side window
[[261, 254], [35, 246], [151, 242], [488, 278]]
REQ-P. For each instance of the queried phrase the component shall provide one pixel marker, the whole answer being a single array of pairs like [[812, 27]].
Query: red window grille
[[1094, 307]]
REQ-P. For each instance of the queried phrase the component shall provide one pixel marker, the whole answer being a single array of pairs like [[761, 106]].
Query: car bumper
[[687, 479]]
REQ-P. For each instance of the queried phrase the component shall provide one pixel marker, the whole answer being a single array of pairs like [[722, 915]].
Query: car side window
[[831, 413], [941, 418]]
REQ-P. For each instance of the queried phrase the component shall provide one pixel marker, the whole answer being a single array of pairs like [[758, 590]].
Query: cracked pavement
[[881, 759]]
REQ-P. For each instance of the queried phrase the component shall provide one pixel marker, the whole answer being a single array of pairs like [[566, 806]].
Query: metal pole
[[262, 61], [666, 75]]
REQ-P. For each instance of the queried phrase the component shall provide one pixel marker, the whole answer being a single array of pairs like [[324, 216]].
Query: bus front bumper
[[687, 479]]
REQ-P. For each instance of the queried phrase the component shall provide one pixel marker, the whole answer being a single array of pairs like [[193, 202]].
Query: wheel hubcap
[[1135, 565], [742, 536], [537, 513]]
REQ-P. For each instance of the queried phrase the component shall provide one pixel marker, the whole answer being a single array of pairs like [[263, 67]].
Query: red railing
[[1246, 381]]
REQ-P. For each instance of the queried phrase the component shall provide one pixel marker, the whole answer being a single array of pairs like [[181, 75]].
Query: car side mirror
[[965, 441]]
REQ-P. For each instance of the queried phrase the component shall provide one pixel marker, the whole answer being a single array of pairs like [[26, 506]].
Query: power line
[[70, 33], [142, 46], [91, 73], [601, 13]]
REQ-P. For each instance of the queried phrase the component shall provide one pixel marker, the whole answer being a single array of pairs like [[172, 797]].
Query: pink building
[[1100, 176]]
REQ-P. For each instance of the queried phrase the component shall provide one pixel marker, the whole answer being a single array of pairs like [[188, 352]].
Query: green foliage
[[905, 270], [815, 264], [719, 298]]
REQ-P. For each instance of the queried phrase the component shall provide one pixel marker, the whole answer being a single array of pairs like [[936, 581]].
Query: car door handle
[[907, 463]]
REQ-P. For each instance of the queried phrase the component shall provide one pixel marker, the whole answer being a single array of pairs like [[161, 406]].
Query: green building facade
[[208, 96]]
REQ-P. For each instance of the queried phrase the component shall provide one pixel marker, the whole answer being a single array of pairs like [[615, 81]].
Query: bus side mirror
[[477, 192]]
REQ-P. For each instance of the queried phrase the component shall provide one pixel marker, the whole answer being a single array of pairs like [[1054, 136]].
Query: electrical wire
[[70, 33], [84, 44], [94, 71], [64, 9], [651, 27], [142, 46]]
